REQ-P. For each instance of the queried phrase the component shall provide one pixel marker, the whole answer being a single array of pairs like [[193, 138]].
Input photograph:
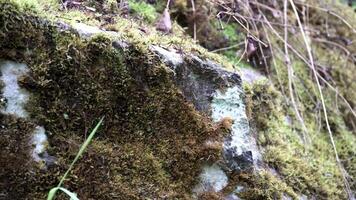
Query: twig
[[228, 48], [167, 5], [332, 43], [308, 64], [235, 15], [290, 73], [259, 44], [274, 61], [329, 12], [195, 24], [347, 186]]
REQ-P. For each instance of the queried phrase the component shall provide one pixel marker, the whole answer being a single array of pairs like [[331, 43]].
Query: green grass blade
[[52, 192], [72, 195]]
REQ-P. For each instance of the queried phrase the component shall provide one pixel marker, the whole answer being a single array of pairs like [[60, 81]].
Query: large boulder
[[164, 133]]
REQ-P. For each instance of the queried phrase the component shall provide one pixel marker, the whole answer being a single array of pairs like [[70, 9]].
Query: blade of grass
[[52, 192]]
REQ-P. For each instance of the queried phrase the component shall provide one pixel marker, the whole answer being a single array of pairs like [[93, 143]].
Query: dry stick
[[337, 16], [290, 78], [308, 64], [235, 15], [220, 23], [279, 37], [332, 43], [229, 13], [274, 61], [247, 29], [243, 54], [348, 57], [249, 9], [264, 6], [195, 24], [265, 21], [347, 186], [167, 5], [227, 48], [330, 12]]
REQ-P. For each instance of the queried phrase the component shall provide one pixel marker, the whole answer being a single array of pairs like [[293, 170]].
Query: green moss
[[111, 5], [229, 31], [144, 10], [309, 169], [130, 29], [312, 168], [265, 185]]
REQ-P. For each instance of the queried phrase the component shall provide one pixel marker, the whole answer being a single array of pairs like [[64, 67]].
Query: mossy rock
[[151, 144]]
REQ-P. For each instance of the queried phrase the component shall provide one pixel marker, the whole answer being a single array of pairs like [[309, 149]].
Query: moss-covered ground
[[309, 167]]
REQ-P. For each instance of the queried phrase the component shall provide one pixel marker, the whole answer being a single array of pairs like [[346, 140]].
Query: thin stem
[[347, 186]]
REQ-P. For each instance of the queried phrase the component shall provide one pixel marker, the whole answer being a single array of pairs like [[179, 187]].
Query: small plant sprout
[[72, 195]]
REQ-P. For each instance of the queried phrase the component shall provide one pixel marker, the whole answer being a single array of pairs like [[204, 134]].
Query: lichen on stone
[[15, 96]]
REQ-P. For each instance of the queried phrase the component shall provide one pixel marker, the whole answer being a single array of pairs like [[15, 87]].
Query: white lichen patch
[[39, 142], [15, 100], [212, 178], [230, 104], [15, 96]]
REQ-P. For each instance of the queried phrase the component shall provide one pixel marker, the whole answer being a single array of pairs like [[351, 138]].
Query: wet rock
[[211, 89], [170, 57], [14, 96]]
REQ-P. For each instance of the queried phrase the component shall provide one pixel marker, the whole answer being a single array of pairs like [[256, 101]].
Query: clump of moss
[[15, 137], [265, 185], [308, 169], [144, 10]]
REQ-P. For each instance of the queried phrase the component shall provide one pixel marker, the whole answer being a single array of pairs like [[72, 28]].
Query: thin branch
[[329, 12], [228, 48], [259, 44], [235, 15], [167, 5], [347, 186], [308, 64], [195, 24], [290, 76]]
